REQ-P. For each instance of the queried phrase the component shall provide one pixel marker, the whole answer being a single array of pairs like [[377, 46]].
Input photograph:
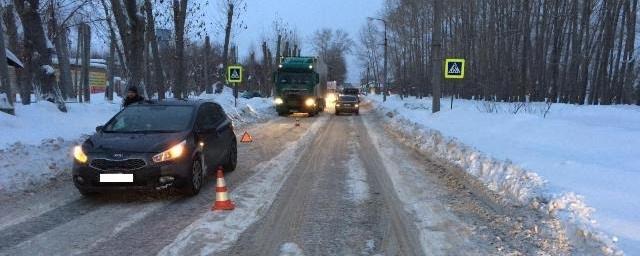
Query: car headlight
[[79, 155], [357, 105], [278, 101], [170, 154], [337, 105], [310, 102]]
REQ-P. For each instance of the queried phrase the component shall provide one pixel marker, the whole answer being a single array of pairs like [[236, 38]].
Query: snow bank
[[216, 231], [35, 146], [575, 158]]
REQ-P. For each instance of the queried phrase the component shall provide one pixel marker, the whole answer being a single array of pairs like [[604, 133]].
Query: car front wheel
[[195, 180]]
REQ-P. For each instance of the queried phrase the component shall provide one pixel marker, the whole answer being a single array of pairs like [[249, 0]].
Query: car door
[[223, 128], [206, 127]]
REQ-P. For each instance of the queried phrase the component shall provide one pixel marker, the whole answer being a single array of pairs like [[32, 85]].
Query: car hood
[[132, 142]]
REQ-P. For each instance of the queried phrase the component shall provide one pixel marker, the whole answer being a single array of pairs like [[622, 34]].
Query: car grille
[[128, 164]]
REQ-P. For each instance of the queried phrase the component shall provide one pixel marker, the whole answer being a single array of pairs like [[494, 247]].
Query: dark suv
[[156, 145], [347, 103]]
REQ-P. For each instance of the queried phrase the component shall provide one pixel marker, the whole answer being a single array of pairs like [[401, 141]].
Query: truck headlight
[[172, 153], [278, 101], [79, 155], [310, 102]]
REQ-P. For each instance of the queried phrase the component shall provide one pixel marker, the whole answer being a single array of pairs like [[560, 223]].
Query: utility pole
[[385, 89], [436, 62], [384, 68]]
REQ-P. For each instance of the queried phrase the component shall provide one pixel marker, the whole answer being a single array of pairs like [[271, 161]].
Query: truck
[[298, 85]]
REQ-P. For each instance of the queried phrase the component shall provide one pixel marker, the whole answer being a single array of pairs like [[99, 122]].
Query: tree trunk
[[227, 37], [58, 33], [436, 61], [36, 45], [158, 72], [207, 66], [12, 36], [5, 86], [131, 26], [179, 16], [111, 68], [86, 62]]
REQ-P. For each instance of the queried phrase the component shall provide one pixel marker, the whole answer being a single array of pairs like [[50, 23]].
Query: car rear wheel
[[232, 159], [195, 180]]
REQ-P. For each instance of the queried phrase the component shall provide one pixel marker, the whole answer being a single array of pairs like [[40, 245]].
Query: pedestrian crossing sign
[[454, 68], [234, 74]]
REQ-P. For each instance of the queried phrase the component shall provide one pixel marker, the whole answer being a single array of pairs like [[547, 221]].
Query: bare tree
[[38, 47], [332, 47], [5, 86], [179, 17], [574, 51], [131, 26]]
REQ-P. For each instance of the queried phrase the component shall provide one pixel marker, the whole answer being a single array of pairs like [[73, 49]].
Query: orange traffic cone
[[222, 194]]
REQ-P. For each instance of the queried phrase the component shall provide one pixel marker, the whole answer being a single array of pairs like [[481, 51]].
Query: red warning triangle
[[246, 138]]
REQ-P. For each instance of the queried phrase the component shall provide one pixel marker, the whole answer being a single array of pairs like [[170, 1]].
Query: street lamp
[[384, 69]]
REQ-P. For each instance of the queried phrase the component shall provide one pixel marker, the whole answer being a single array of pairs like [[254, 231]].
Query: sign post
[[454, 69], [234, 76]]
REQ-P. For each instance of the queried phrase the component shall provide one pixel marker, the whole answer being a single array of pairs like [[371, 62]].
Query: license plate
[[116, 177]]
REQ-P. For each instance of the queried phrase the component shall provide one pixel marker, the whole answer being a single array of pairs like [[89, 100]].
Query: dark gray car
[[156, 145]]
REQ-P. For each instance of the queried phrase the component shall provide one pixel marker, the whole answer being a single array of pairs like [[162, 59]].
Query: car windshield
[[151, 118], [348, 98]]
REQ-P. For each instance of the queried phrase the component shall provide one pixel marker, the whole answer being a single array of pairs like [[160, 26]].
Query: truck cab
[[297, 86]]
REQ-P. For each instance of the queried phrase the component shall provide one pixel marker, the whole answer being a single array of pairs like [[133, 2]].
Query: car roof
[[176, 102]]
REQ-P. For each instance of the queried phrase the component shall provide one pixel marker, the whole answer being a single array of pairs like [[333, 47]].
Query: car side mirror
[[99, 128]]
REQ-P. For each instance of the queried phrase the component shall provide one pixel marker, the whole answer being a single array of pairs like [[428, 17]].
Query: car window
[[218, 113], [347, 98], [206, 116]]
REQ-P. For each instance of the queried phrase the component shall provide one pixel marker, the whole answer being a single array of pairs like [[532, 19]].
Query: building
[[97, 72]]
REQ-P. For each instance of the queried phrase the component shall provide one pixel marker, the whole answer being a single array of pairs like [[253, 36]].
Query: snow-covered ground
[[583, 160], [36, 143]]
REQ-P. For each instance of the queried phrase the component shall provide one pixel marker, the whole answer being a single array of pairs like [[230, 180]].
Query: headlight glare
[[79, 155], [310, 102], [170, 154], [278, 101]]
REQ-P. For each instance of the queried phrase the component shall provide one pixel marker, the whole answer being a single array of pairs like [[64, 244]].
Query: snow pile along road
[[575, 158], [216, 231], [36, 143]]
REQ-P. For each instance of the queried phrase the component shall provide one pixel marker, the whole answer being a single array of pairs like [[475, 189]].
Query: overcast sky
[[307, 16]]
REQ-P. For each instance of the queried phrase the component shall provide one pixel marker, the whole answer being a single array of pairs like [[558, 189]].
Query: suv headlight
[[310, 102], [170, 154], [79, 155], [278, 101]]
